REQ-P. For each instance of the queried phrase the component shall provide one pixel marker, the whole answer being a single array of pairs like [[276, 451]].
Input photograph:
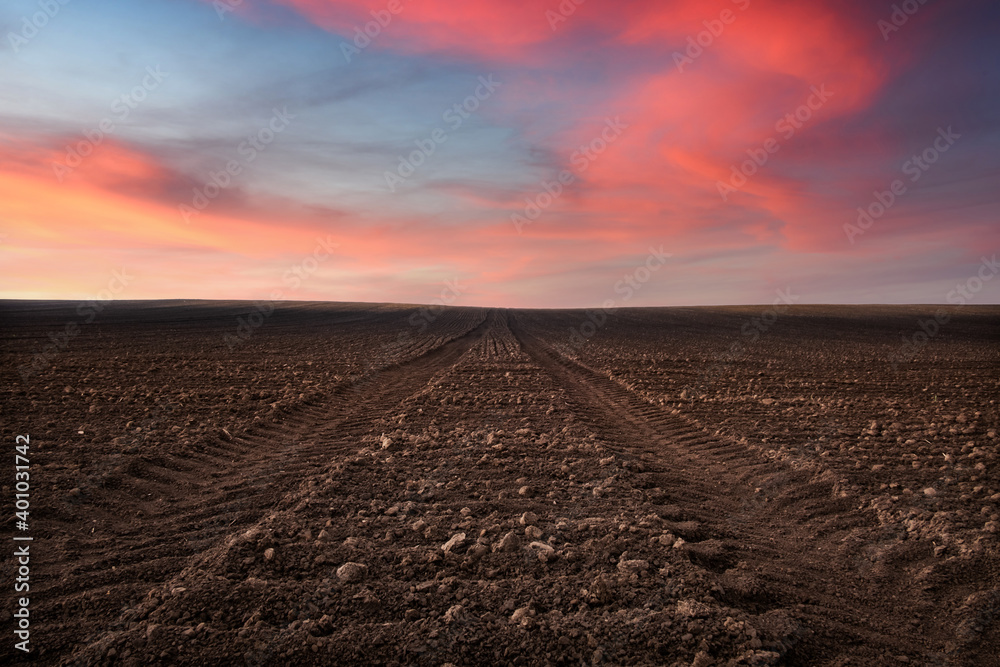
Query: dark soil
[[359, 484]]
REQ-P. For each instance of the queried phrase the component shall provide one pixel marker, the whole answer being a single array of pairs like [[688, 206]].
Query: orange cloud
[[689, 120], [115, 207], [494, 29], [687, 129], [113, 198]]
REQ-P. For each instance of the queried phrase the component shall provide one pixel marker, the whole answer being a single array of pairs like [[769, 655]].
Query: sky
[[573, 153]]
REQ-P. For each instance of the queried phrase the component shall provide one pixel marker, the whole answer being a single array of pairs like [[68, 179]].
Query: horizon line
[[181, 301]]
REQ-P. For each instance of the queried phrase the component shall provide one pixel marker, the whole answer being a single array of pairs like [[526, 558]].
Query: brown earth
[[359, 484]]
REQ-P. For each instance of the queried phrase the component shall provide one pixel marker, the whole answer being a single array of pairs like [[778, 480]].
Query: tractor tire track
[[230, 487], [785, 540]]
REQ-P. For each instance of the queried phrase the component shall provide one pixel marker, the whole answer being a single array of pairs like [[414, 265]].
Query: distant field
[[313, 483]]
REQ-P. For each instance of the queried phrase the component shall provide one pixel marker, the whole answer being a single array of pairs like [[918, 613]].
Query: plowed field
[[357, 484]]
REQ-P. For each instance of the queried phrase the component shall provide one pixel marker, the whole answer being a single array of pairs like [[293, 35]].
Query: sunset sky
[[522, 154]]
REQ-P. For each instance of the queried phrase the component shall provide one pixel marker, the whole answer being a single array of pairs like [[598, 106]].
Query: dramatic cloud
[[532, 151]]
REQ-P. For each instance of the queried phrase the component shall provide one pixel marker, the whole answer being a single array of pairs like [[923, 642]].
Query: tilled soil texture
[[357, 484]]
